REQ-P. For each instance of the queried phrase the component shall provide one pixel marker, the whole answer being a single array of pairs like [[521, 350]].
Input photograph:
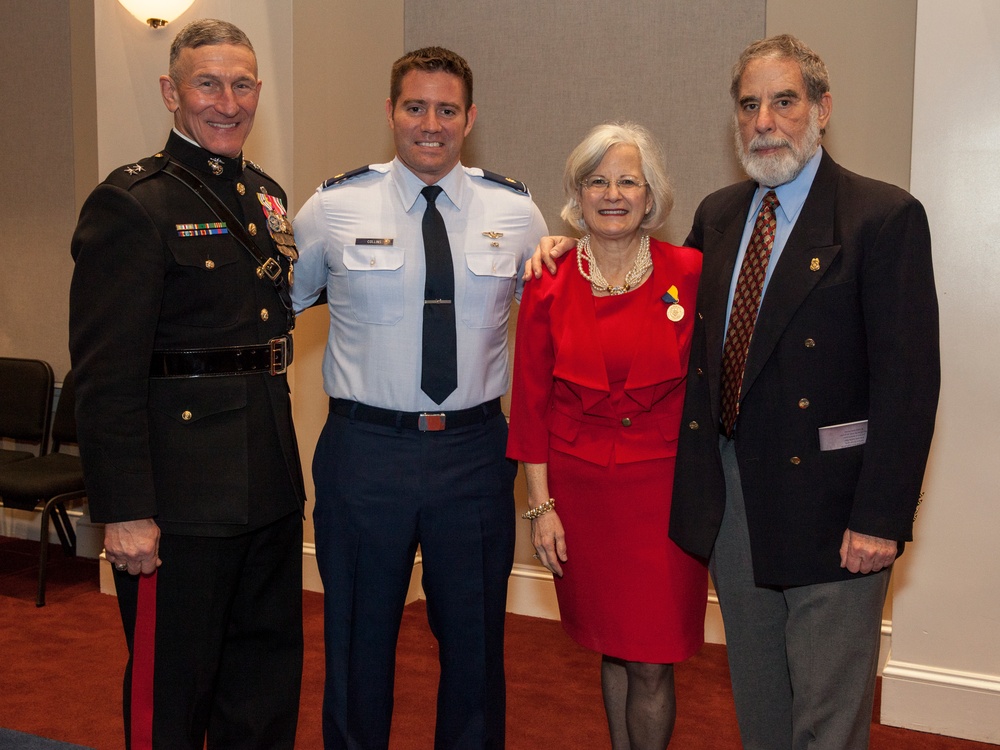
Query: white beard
[[784, 166]]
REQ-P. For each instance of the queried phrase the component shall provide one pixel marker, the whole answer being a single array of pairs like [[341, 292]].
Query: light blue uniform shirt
[[362, 240], [791, 197]]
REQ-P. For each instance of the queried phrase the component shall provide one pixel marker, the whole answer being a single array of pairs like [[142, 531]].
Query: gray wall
[[545, 73], [38, 172]]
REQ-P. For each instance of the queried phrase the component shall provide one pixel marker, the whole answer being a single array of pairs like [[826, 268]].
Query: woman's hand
[[549, 540]]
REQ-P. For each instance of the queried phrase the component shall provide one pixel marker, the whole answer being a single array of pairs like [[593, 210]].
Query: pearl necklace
[[643, 262]]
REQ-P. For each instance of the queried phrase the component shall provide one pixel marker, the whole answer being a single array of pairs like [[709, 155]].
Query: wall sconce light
[[156, 13]]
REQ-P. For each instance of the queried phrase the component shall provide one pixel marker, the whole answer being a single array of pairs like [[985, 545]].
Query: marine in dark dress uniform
[[179, 336]]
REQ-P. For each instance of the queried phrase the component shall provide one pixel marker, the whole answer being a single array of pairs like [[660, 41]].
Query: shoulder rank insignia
[[344, 176], [506, 181], [130, 174]]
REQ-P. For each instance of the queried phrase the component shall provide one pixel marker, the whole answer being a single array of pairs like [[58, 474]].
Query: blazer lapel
[[655, 359], [581, 358], [721, 246], [808, 254]]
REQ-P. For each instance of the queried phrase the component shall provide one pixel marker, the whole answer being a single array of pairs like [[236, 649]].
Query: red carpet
[[61, 665]]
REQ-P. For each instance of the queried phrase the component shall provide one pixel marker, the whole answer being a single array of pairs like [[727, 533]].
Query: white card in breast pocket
[[846, 435]]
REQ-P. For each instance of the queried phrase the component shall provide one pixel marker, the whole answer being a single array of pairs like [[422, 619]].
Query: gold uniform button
[[209, 264], [795, 460], [626, 422], [186, 415], [264, 315], [240, 188], [252, 228], [810, 343], [692, 425], [803, 403]]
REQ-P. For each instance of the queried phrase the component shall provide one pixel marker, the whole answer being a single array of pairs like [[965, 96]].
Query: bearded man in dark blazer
[[804, 440], [179, 337]]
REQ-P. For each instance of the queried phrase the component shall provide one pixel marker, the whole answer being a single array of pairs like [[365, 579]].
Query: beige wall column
[[944, 672], [343, 52]]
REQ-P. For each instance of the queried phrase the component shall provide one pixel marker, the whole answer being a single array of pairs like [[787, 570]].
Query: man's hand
[[549, 248], [134, 544], [860, 553]]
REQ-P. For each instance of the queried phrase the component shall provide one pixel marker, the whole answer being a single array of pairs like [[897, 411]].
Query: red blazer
[[561, 397]]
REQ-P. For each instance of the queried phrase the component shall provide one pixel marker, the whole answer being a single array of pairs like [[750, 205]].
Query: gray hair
[[590, 152], [785, 46], [203, 32]]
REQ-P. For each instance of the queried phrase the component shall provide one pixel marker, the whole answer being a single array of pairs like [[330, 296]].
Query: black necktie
[[439, 365]]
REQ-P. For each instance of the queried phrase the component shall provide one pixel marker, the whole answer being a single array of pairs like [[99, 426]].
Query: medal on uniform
[[278, 225], [674, 310]]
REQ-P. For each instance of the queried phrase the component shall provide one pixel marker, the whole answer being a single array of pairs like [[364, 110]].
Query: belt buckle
[[431, 422], [279, 355], [270, 268]]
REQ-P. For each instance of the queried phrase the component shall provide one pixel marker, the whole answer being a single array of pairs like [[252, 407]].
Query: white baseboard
[[27, 524], [941, 701]]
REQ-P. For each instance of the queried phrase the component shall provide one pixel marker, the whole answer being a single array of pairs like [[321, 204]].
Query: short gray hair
[[588, 155], [206, 31], [787, 47]]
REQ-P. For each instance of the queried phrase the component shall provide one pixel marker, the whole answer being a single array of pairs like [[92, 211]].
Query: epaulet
[[345, 176], [505, 181], [128, 175], [257, 168]]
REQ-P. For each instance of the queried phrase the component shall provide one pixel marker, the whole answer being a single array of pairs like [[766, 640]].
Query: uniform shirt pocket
[[489, 288], [199, 288], [375, 280]]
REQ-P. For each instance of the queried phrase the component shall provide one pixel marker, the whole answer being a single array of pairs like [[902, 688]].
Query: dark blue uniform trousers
[[381, 491]]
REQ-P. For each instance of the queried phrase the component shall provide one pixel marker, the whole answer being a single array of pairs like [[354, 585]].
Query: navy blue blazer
[[848, 330]]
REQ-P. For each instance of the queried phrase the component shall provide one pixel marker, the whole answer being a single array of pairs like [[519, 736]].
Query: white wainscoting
[[941, 701]]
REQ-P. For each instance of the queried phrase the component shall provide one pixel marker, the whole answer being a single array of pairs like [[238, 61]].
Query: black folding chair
[[51, 480], [25, 406]]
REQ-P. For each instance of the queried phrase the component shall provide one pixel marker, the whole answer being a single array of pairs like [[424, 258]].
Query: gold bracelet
[[532, 513]]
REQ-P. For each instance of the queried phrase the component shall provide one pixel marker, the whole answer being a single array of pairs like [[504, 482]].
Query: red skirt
[[627, 590]]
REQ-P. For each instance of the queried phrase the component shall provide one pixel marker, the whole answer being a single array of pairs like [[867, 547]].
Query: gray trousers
[[802, 659]]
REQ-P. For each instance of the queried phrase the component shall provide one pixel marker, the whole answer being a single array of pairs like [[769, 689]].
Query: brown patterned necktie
[[746, 304]]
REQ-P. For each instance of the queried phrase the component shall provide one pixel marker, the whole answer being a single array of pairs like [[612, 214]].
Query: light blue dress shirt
[[791, 198], [362, 241]]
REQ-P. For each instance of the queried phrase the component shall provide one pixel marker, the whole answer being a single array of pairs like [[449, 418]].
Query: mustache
[[760, 142]]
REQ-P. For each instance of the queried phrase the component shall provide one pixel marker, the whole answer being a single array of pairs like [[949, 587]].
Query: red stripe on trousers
[[143, 645]]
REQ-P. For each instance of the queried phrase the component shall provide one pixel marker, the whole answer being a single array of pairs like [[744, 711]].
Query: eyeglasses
[[602, 184]]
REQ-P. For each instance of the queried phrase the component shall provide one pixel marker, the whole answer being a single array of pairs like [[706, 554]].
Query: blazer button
[[803, 403], [692, 425], [186, 415], [626, 422], [795, 460], [264, 315], [700, 372], [810, 343]]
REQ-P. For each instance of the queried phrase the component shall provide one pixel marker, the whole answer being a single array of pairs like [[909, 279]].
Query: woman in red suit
[[599, 371]]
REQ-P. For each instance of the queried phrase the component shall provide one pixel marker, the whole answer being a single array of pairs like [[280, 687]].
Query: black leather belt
[[272, 357], [426, 421]]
